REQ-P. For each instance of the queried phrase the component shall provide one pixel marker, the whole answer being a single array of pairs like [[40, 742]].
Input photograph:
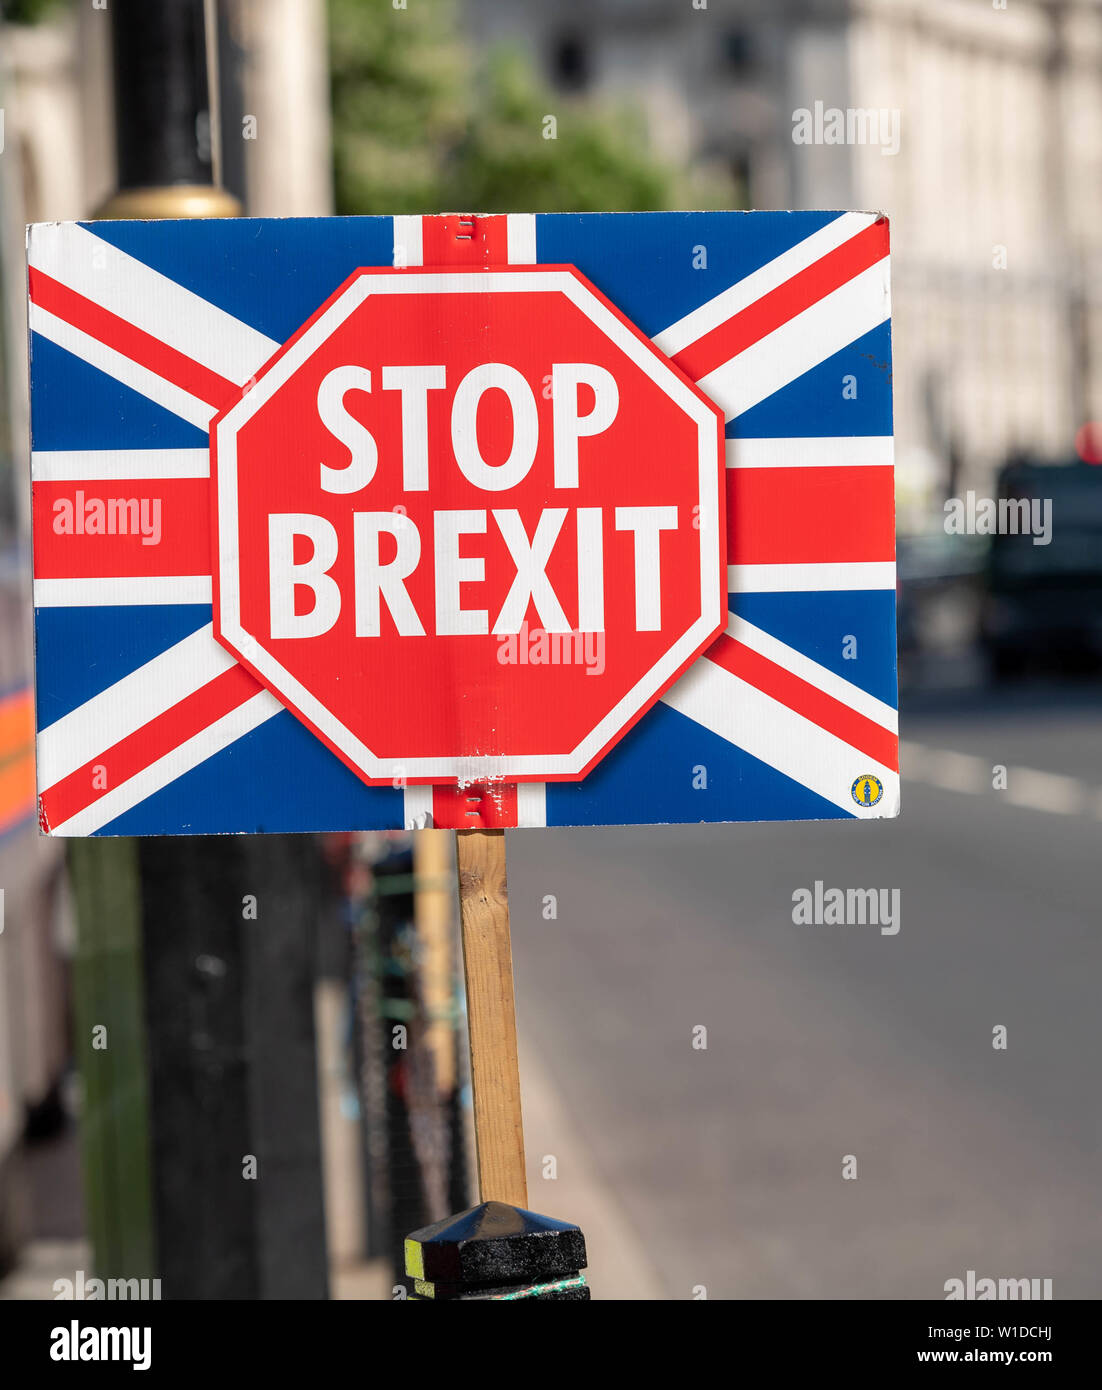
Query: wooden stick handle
[[491, 1015]]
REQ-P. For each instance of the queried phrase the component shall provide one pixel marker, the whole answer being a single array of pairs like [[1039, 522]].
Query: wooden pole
[[491, 1016]]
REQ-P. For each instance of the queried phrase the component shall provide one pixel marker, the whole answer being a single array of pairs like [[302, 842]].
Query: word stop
[[379, 581]]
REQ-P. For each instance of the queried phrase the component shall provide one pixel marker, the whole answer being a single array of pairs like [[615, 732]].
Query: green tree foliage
[[421, 124], [26, 11]]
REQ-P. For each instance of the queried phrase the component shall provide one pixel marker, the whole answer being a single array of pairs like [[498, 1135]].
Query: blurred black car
[[1043, 601]]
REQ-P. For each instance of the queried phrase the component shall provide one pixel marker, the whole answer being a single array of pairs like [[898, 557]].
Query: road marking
[[949, 770], [1045, 791], [956, 772]]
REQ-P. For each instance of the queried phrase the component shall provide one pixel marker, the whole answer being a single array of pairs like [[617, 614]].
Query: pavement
[[701, 1074], [41, 1264], [57, 1247], [835, 1048]]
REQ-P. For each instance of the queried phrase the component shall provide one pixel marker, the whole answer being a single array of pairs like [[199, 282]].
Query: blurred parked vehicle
[[1043, 602], [939, 596]]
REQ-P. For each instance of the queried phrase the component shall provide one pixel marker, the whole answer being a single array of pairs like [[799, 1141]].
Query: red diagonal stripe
[[131, 342], [808, 700], [772, 310], [130, 755]]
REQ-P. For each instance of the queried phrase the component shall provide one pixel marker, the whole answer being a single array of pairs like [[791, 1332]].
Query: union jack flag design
[[142, 332]]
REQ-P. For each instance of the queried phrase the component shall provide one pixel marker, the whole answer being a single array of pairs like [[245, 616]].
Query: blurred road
[[726, 1164]]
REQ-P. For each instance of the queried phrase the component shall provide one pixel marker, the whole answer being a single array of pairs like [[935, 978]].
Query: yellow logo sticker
[[867, 790]]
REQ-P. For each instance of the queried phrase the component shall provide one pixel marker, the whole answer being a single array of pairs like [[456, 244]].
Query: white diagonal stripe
[[677, 337], [115, 713], [829, 682], [781, 738], [149, 300], [94, 465], [141, 589], [821, 330], [131, 374], [788, 579], [195, 750], [827, 451]]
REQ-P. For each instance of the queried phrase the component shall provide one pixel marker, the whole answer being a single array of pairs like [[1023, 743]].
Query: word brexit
[[440, 544]]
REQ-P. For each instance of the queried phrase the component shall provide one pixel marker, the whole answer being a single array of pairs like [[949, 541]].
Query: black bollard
[[497, 1252]]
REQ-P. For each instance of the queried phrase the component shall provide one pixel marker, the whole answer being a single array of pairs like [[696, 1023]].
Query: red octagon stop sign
[[469, 524]]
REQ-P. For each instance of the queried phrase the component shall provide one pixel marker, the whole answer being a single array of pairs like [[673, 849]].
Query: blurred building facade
[[57, 162], [994, 190], [59, 123]]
